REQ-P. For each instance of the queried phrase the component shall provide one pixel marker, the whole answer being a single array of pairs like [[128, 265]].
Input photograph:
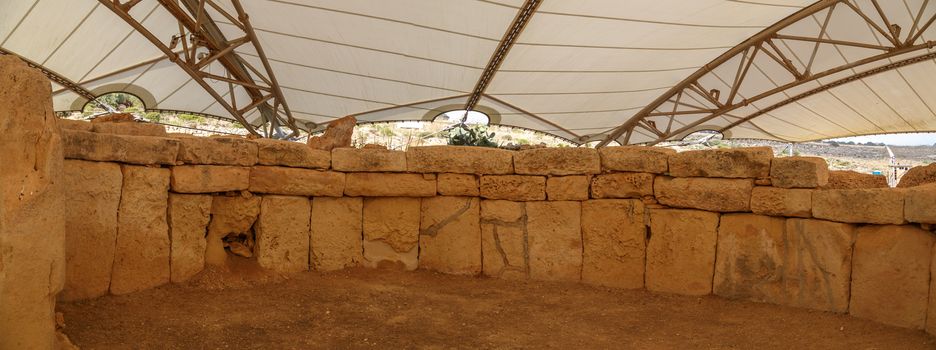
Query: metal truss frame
[[203, 45], [691, 99]]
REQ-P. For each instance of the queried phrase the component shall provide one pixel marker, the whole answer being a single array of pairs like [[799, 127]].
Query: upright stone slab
[[614, 237], [391, 232], [459, 159], [513, 187], [209, 178], [639, 159], [450, 235], [296, 182], [32, 229], [890, 275], [799, 172], [818, 266], [869, 206], [622, 185], [390, 185], [189, 215], [142, 256], [722, 195], [751, 162], [291, 154], [504, 244], [337, 232], [93, 192], [789, 202], [230, 215], [217, 151], [283, 233], [681, 251], [368, 159], [555, 240], [567, 188], [557, 161], [458, 185], [749, 262]]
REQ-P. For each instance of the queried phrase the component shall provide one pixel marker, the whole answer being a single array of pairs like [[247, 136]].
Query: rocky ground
[[378, 309]]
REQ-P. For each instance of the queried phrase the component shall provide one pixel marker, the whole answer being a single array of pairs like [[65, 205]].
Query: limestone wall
[[736, 223]]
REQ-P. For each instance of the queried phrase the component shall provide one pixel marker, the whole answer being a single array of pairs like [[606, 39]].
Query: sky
[[895, 139]]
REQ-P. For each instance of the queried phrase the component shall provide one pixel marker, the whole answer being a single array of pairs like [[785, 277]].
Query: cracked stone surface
[[504, 236], [391, 231], [450, 235]]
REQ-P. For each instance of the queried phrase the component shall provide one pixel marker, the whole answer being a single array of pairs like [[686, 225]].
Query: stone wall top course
[[557, 161], [140, 150], [368, 159], [291, 154], [217, 151], [640, 159], [390, 185], [860, 206], [752, 162], [296, 181], [459, 159]]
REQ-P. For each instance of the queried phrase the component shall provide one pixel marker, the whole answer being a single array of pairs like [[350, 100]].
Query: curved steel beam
[[764, 47]]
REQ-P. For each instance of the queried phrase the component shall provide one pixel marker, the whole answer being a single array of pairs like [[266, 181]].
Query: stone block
[[614, 237], [870, 206], [337, 233], [919, 175], [622, 185], [639, 159], [142, 150], [818, 266], [459, 159], [93, 192], [799, 172], [920, 204], [390, 185], [209, 178], [283, 233], [793, 202], [217, 151], [129, 128], [555, 240], [567, 188], [847, 179], [891, 275], [722, 195], [391, 231], [504, 240], [513, 187], [931, 310], [450, 235], [458, 185], [188, 215], [230, 215], [141, 258], [681, 251], [753, 162], [70, 124], [557, 161], [291, 154], [368, 160], [296, 181]]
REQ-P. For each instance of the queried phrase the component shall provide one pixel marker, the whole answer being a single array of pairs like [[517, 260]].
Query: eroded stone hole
[[240, 244]]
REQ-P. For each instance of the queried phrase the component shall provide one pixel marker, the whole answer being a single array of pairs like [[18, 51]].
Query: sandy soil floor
[[378, 309]]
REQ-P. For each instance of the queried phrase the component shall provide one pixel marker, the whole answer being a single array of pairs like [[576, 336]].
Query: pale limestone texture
[[635, 159], [557, 161], [793, 202], [799, 172], [337, 233], [513, 187], [291, 154], [209, 178], [391, 231], [217, 151], [390, 185], [141, 259], [614, 236], [504, 242], [681, 251], [282, 233], [142, 150], [229, 215], [459, 159], [296, 181], [847, 179], [554, 235], [458, 185], [753, 162], [872, 206], [450, 235], [188, 215], [567, 188], [920, 204], [368, 159], [722, 195], [622, 185]]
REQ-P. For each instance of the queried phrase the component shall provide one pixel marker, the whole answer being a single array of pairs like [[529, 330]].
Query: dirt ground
[[381, 309]]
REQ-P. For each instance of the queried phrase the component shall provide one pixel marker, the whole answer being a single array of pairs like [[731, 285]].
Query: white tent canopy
[[636, 71]]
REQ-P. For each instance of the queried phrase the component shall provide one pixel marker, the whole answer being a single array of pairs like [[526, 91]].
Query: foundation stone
[[141, 258], [336, 241], [230, 215], [391, 232], [450, 235], [555, 240], [504, 243], [188, 215], [681, 251], [283, 233], [614, 236]]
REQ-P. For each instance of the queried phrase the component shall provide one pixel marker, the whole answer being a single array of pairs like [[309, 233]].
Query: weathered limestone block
[[567, 188], [554, 234], [32, 229], [368, 160], [557, 161], [390, 185], [640, 159], [129, 128], [93, 192], [142, 150], [723, 195], [920, 204], [614, 236], [504, 240], [871, 206], [459, 159], [753, 162], [450, 235], [69, 124], [681, 251], [919, 175], [338, 134], [890, 275], [818, 267], [847, 179], [391, 231], [337, 233], [795, 202], [217, 151], [296, 181], [513, 187], [230, 215], [458, 185], [931, 310], [291, 154], [209, 178], [188, 215], [622, 185], [750, 257], [141, 260], [283, 233], [799, 172]]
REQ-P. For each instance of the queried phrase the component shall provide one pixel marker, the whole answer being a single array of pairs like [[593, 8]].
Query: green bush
[[191, 118], [153, 117], [477, 135]]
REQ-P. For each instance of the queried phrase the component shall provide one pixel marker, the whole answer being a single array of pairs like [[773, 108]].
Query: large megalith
[[32, 224]]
